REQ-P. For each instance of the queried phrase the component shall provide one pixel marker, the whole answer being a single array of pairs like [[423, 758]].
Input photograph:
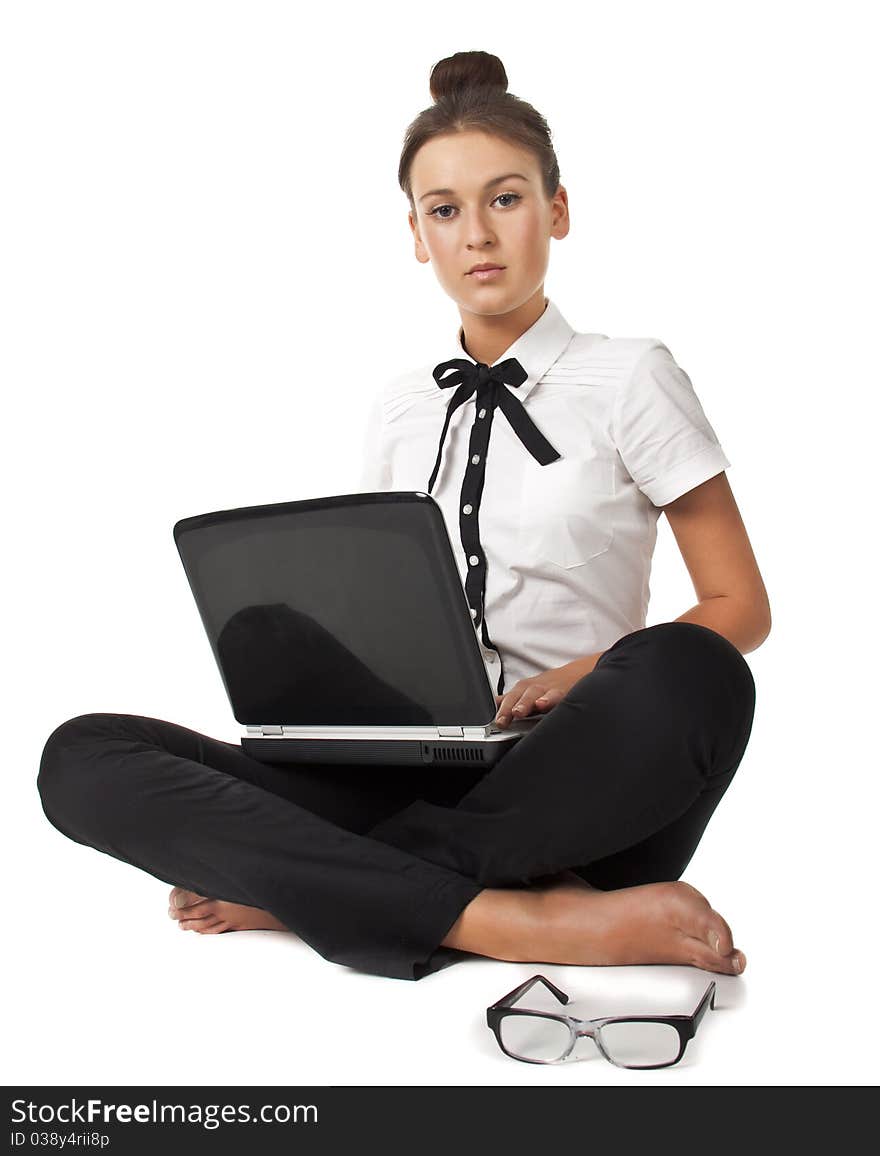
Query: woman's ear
[[420, 250], [559, 210]]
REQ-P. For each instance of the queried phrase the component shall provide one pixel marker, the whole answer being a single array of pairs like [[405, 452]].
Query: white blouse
[[568, 545]]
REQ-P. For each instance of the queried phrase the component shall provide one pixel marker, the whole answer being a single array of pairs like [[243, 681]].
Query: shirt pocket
[[567, 511]]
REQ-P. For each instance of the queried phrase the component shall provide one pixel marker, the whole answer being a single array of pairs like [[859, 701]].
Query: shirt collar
[[536, 349]]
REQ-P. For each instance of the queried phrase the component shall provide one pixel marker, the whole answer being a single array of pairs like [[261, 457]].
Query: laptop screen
[[342, 611]]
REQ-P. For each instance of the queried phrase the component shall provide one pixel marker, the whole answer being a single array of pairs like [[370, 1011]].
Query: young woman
[[553, 454]]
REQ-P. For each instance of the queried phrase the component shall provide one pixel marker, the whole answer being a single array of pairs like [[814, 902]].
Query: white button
[[473, 613], [482, 413], [467, 509], [475, 458], [473, 559]]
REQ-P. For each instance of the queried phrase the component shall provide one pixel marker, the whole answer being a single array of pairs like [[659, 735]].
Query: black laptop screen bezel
[[410, 510]]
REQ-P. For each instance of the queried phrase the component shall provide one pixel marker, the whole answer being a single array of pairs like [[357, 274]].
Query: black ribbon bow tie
[[489, 383]]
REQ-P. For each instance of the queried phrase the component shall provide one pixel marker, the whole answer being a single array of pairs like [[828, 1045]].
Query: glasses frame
[[685, 1025]]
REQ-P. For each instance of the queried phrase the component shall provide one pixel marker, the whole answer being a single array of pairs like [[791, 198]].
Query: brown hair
[[470, 92]]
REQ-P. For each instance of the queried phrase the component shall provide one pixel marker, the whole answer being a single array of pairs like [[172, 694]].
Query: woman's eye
[[435, 212]]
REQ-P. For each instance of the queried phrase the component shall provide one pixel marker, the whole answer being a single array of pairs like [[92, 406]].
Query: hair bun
[[467, 70]]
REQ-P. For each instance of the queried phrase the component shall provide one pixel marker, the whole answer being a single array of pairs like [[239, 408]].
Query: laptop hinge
[[474, 732], [267, 730], [450, 732]]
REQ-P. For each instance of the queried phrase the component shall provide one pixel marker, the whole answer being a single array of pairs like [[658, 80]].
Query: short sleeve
[[661, 432], [375, 467]]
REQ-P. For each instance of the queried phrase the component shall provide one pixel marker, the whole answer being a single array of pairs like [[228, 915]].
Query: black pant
[[371, 866]]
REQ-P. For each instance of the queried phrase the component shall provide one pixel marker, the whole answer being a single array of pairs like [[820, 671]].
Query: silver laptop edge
[[489, 732]]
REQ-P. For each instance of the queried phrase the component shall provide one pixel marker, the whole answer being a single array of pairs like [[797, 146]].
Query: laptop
[[343, 633]]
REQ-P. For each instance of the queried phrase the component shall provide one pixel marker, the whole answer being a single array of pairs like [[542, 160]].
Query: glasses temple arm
[[708, 1000], [520, 991]]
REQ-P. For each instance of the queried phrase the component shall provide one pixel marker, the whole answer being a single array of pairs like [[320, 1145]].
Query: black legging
[[371, 866]]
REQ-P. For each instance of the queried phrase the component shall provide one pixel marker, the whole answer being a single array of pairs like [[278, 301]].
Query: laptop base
[[393, 752]]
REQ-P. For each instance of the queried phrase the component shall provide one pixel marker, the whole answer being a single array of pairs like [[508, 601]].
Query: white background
[[207, 274]]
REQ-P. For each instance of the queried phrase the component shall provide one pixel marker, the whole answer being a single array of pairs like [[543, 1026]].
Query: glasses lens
[[534, 1037], [640, 1044]]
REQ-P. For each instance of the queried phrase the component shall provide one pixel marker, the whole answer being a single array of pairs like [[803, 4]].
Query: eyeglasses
[[539, 1037]]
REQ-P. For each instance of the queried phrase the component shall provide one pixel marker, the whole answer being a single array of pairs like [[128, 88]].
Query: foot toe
[[206, 926], [702, 956], [690, 894], [197, 924], [696, 917], [718, 934], [180, 897], [738, 961]]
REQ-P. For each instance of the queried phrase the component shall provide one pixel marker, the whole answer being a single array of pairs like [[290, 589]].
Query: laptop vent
[[458, 754]]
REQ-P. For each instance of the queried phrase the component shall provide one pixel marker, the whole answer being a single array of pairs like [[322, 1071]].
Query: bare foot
[[210, 916], [567, 922]]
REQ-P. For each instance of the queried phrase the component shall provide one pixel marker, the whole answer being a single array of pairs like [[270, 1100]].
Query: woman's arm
[[713, 541]]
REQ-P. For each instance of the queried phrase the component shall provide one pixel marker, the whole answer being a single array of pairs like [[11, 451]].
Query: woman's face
[[476, 219]]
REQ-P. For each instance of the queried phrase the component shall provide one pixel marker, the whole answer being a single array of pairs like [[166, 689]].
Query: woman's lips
[[486, 274]]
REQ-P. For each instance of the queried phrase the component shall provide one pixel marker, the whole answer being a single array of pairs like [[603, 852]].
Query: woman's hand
[[542, 692]]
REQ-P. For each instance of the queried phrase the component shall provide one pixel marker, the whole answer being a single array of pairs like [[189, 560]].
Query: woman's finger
[[549, 698], [527, 700]]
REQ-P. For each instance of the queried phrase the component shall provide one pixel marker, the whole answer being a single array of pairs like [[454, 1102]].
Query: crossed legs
[[569, 850]]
